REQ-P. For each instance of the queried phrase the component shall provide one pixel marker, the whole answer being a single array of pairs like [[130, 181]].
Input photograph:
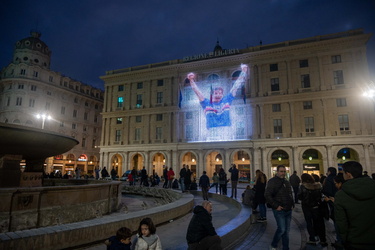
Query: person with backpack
[[310, 194]]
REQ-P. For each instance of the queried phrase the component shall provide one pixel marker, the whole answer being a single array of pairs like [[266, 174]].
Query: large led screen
[[214, 106]]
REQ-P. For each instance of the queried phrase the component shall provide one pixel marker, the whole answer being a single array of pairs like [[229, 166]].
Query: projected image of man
[[217, 107]]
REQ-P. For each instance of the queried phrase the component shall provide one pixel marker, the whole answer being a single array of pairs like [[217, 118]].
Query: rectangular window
[[140, 85], [341, 102], [344, 122], [93, 143], [307, 105], [83, 142], [120, 88], [74, 126], [304, 63], [189, 132], [188, 115], [31, 103], [137, 134], [119, 120], [336, 59], [23, 72], [84, 129], [159, 133], [50, 78], [309, 124], [159, 117], [160, 82], [159, 97], [274, 67], [305, 81], [75, 113], [20, 86], [61, 124], [276, 107], [49, 93], [62, 110], [33, 87], [275, 84], [120, 102], [338, 77], [19, 101], [85, 116], [35, 73], [96, 118], [277, 126], [118, 135], [8, 101], [139, 101], [138, 118]]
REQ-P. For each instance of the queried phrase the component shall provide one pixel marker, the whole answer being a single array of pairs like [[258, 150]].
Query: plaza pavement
[[258, 237]]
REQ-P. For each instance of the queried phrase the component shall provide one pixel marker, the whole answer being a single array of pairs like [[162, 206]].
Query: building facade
[[300, 104], [33, 95]]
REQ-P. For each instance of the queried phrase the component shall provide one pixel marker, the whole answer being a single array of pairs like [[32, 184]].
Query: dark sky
[[89, 37]]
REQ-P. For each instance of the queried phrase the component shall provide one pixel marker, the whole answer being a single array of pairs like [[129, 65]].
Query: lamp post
[[43, 117]]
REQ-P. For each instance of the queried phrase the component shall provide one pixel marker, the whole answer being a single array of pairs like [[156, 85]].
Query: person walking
[[234, 180], [201, 233], [295, 181], [215, 182], [222, 182], [310, 194], [354, 208], [204, 183], [279, 195], [259, 199]]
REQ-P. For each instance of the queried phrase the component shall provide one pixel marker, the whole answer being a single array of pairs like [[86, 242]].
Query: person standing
[[170, 177], [144, 177], [310, 194], [204, 183], [279, 195], [97, 172], [104, 173], [259, 199], [165, 176], [113, 174], [354, 208], [187, 178], [330, 189], [234, 180], [182, 178], [222, 182], [201, 233], [215, 181], [78, 173], [295, 181]]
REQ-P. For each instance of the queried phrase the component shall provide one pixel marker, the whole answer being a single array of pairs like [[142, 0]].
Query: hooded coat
[[354, 213], [147, 243], [200, 226]]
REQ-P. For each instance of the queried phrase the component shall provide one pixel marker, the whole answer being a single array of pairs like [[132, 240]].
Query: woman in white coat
[[147, 239]]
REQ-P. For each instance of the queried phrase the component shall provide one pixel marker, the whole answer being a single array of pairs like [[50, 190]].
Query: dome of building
[[32, 51], [218, 47]]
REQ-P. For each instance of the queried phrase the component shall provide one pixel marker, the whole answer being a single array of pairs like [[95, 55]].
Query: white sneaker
[[272, 248]]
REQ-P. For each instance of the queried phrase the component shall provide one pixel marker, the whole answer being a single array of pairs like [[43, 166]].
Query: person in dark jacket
[[354, 208], [234, 180], [279, 195], [122, 240], [222, 182], [104, 172], [295, 181], [201, 233], [204, 183], [330, 189], [310, 194], [259, 199], [182, 178]]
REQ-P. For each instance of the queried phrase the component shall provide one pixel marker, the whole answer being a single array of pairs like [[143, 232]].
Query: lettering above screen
[[215, 108]]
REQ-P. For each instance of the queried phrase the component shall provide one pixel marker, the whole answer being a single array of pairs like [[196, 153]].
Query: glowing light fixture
[[243, 159], [279, 158], [343, 158], [310, 158]]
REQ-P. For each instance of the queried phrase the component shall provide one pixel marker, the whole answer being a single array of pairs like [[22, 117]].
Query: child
[[147, 239], [121, 241]]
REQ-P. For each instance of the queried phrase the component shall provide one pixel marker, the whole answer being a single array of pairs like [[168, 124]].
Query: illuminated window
[[120, 102], [159, 97], [275, 84], [305, 81], [119, 120], [277, 126], [344, 122], [341, 102], [276, 107], [274, 67], [336, 59], [307, 105], [303, 63], [338, 77], [159, 133], [309, 124]]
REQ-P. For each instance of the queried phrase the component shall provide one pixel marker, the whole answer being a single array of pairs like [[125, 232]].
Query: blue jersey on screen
[[217, 114]]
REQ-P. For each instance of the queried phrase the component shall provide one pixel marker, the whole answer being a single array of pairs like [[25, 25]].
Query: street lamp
[[43, 117]]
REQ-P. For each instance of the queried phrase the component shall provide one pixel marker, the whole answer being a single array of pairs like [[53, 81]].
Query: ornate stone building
[[300, 105], [29, 88]]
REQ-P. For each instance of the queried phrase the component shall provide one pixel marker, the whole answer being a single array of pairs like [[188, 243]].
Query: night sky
[[89, 37]]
